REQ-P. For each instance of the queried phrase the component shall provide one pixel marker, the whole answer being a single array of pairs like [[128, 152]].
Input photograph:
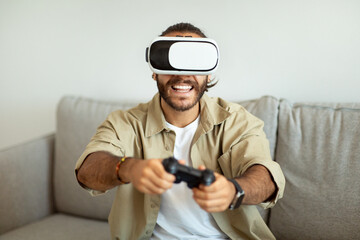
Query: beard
[[198, 89]]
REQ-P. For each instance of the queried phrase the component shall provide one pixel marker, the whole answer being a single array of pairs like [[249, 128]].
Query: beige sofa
[[316, 144]]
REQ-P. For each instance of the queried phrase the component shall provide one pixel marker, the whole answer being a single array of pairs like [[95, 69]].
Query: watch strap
[[239, 195]]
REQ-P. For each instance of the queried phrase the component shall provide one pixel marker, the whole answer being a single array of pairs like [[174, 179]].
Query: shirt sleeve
[[250, 149], [105, 139]]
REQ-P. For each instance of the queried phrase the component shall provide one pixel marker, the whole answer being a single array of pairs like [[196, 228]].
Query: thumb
[[201, 167], [182, 162]]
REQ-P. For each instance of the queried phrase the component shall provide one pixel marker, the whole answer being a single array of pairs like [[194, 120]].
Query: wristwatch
[[239, 195]]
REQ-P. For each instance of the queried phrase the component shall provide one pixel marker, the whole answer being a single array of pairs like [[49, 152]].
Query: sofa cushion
[[77, 121], [60, 227], [319, 151]]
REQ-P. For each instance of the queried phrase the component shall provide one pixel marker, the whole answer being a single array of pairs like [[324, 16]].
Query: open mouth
[[182, 88]]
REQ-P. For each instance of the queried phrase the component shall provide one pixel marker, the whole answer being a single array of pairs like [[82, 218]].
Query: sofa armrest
[[25, 183]]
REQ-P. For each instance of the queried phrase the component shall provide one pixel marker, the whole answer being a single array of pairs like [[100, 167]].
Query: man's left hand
[[216, 197]]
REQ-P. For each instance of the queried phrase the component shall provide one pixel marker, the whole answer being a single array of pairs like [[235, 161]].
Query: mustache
[[176, 80]]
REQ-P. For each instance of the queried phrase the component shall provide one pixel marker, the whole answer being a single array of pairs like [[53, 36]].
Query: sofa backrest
[[318, 149], [267, 109], [77, 120], [25, 178]]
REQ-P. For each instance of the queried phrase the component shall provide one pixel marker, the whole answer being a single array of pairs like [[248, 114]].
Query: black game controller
[[193, 177]]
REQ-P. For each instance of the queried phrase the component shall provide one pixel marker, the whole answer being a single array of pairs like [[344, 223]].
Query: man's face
[[181, 92]]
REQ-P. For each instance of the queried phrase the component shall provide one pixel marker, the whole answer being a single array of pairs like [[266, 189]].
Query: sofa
[[316, 144]]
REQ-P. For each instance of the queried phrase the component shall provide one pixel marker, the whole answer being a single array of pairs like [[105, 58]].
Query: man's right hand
[[98, 172], [147, 176]]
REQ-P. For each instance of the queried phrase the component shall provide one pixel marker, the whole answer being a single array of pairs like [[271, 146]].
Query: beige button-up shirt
[[228, 140]]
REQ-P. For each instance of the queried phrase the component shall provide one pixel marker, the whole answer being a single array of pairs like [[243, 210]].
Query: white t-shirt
[[180, 217]]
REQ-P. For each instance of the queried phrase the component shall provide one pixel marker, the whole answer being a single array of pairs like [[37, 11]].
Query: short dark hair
[[183, 27], [188, 27]]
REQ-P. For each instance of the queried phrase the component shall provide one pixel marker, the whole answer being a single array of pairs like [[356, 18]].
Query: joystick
[[193, 177]]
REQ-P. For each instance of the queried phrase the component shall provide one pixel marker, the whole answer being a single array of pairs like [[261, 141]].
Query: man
[[203, 132]]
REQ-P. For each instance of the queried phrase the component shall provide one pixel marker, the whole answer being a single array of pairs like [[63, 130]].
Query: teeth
[[182, 87]]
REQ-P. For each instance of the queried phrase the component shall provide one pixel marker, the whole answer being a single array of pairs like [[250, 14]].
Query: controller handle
[[170, 165], [208, 177]]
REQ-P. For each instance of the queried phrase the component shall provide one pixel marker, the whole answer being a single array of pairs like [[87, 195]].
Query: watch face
[[240, 196]]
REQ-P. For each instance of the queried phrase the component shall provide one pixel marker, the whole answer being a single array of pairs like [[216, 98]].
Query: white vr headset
[[183, 56]]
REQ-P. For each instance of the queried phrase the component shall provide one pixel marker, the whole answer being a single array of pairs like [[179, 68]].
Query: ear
[[154, 76], [208, 78]]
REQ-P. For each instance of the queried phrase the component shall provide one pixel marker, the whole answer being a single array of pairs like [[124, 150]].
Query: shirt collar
[[155, 121], [211, 113]]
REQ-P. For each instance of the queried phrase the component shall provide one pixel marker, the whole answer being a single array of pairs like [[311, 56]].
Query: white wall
[[304, 50]]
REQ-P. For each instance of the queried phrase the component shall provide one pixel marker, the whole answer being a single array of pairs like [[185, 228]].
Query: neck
[[180, 118]]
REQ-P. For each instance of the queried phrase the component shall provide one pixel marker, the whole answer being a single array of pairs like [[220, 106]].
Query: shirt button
[[148, 232]]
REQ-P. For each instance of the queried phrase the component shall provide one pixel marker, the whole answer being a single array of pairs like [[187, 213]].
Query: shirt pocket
[[224, 165]]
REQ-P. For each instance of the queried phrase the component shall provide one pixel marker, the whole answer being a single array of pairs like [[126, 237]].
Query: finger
[[205, 195], [153, 185], [151, 189], [213, 205], [219, 189], [215, 186], [153, 175], [161, 180], [212, 200], [215, 209], [182, 162], [159, 170], [201, 167]]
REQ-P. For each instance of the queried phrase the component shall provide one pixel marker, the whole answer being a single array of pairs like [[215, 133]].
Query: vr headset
[[183, 56]]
